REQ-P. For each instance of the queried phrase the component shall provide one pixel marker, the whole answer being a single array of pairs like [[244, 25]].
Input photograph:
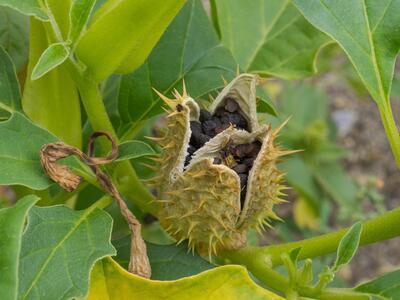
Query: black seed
[[249, 161], [243, 179], [217, 161], [221, 128], [195, 127], [219, 111], [179, 107], [187, 159], [191, 149], [231, 105], [204, 115], [240, 168], [254, 149], [209, 127]]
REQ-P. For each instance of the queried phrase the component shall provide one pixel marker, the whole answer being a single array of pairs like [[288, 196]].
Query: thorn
[[279, 128], [184, 93], [237, 70], [171, 103], [224, 80]]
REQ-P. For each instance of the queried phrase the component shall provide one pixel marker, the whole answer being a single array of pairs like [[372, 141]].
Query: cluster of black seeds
[[239, 158], [210, 125]]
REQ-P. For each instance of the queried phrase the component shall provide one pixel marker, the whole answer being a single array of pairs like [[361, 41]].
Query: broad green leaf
[[12, 222], [168, 262], [10, 95], [348, 246], [338, 185], [52, 57], [110, 281], [20, 143], [189, 50], [387, 286], [27, 7], [367, 30], [51, 101], [299, 175], [123, 39], [59, 249], [79, 15], [14, 35], [133, 150], [264, 102], [269, 37]]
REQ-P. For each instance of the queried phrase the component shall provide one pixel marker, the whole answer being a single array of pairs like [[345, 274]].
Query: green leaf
[[12, 222], [51, 101], [10, 95], [110, 281], [168, 262], [188, 50], [133, 150], [348, 246], [367, 30], [52, 57], [123, 40], [59, 249], [79, 15], [27, 7], [269, 37], [339, 186], [264, 102], [387, 286], [14, 33], [20, 143]]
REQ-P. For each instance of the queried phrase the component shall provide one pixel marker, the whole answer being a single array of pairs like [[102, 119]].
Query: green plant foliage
[[52, 57], [12, 222], [316, 172], [361, 28], [126, 43], [21, 141], [168, 262], [27, 7], [55, 91], [14, 35], [10, 95], [110, 281], [269, 37], [348, 246], [386, 286], [79, 16], [189, 50], [134, 150], [59, 248]]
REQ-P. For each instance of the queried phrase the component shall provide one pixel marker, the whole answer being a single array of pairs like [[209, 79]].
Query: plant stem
[[128, 182], [383, 227], [391, 129]]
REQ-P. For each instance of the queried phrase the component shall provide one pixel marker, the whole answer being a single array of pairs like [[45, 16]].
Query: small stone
[[231, 105], [240, 168], [204, 115], [195, 127], [221, 128]]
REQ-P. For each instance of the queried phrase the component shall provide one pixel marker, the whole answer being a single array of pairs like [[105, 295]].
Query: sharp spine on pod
[[218, 170]]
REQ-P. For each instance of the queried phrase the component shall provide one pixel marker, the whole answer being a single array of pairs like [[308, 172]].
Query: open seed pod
[[218, 174]]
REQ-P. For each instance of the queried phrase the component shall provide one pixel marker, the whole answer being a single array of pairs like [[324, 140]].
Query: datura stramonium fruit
[[218, 175]]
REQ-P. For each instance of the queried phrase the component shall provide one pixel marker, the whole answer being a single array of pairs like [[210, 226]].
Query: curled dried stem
[[51, 153]]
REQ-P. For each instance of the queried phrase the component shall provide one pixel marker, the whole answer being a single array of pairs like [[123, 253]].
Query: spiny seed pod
[[218, 174]]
